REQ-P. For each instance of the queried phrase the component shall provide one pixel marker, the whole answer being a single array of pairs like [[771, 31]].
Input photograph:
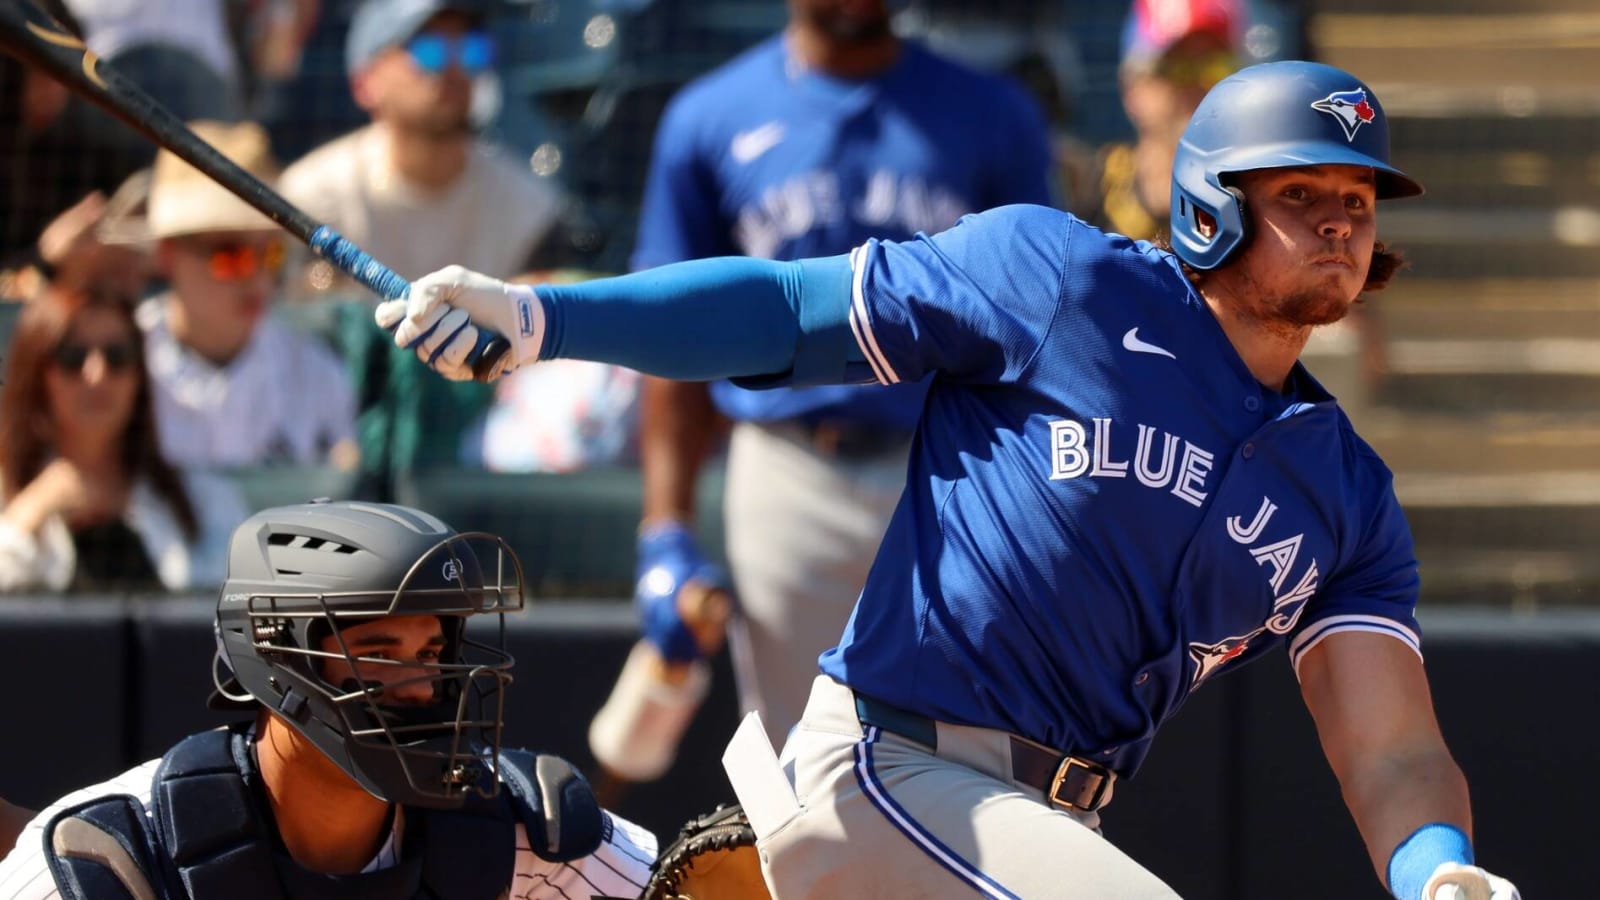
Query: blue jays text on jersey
[[765, 157], [1104, 508]]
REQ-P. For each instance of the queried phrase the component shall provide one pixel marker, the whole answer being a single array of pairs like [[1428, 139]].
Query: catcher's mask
[[1271, 116], [420, 731]]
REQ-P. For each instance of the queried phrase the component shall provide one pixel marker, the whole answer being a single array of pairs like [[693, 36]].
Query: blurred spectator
[[90, 504], [275, 35], [418, 190], [179, 51], [55, 150], [559, 416], [234, 387], [1172, 52], [78, 248], [824, 136]]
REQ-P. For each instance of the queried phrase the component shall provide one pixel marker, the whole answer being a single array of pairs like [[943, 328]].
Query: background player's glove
[[1453, 881], [441, 317], [669, 559], [714, 856]]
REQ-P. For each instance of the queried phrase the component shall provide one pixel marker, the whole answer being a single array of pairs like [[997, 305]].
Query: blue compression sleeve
[[1413, 862], [711, 318]]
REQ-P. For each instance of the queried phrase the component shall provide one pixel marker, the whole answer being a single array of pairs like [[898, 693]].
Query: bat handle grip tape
[[358, 264]]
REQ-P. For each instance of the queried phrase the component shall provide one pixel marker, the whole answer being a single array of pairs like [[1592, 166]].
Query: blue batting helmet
[[1269, 116]]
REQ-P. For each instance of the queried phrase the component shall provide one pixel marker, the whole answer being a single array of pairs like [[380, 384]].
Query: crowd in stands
[[166, 341]]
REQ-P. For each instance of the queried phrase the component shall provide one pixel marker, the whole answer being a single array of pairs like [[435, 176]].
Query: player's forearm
[[1390, 798], [705, 319], [677, 424]]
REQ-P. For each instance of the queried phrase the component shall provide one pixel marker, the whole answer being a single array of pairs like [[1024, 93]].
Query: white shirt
[[286, 398], [194, 25], [619, 868], [490, 219], [49, 559]]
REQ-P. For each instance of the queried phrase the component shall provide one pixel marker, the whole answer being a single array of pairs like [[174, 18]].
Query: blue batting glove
[[668, 558]]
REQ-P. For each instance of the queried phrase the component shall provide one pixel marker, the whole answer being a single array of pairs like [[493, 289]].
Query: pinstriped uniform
[[619, 868]]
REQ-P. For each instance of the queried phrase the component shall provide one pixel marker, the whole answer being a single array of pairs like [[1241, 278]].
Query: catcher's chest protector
[[207, 840]]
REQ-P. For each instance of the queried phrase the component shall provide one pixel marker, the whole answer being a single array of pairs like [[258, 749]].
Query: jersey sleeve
[[620, 868], [678, 218], [1375, 592], [973, 303]]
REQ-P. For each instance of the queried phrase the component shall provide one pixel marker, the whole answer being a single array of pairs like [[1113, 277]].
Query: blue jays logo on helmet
[[1350, 108]]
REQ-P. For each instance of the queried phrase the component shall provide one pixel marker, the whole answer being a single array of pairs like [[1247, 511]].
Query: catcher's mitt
[[714, 858]]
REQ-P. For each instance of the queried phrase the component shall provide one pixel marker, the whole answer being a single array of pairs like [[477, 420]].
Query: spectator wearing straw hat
[[233, 387]]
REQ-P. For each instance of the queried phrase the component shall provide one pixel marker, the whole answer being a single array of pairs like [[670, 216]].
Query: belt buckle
[[1077, 785]]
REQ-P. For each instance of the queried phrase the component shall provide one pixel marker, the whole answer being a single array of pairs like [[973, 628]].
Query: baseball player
[[808, 144], [1123, 485], [372, 766]]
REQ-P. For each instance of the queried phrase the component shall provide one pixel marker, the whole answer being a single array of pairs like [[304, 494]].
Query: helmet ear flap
[[1195, 199]]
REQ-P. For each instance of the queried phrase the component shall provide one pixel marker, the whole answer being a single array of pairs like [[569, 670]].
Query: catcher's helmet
[[1269, 116], [297, 575]]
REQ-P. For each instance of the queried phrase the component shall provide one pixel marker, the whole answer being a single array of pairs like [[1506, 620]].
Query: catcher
[[368, 761]]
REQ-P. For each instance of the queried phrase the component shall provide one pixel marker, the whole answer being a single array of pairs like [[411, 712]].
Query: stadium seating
[[573, 532]]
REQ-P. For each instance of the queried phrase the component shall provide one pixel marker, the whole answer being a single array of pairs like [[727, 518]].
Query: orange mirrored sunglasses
[[239, 261]]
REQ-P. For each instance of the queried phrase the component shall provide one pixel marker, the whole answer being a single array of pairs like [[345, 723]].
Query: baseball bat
[[32, 36]]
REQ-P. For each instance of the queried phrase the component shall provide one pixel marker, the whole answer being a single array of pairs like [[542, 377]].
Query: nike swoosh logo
[[1131, 341], [748, 146]]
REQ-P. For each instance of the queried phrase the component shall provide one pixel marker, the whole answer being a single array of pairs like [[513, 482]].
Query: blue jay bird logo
[[1350, 108]]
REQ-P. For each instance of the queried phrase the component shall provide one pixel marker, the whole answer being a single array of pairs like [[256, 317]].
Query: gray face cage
[[429, 753]]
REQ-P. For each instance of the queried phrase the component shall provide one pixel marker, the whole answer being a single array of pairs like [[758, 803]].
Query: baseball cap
[[380, 24], [1154, 26]]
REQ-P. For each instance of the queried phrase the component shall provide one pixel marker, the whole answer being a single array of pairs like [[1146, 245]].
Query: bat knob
[[485, 357]]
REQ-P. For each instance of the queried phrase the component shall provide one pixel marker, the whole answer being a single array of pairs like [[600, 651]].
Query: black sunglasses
[[118, 355]]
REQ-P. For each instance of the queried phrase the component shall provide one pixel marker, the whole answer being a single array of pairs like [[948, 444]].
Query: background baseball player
[[1123, 483], [373, 766], [806, 145]]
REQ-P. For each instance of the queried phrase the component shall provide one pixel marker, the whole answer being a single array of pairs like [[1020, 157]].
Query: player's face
[[846, 21], [1313, 230], [393, 652]]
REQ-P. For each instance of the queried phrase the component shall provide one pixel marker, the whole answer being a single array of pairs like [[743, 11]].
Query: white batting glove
[[1453, 881], [442, 318]]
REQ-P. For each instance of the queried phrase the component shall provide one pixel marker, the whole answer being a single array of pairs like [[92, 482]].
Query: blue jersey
[[766, 158], [1104, 508]]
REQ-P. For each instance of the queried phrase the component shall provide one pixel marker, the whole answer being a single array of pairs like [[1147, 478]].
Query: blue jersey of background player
[[1124, 483], [808, 144], [771, 158]]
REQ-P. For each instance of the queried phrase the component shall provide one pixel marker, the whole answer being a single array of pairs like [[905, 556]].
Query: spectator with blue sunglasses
[[419, 189]]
